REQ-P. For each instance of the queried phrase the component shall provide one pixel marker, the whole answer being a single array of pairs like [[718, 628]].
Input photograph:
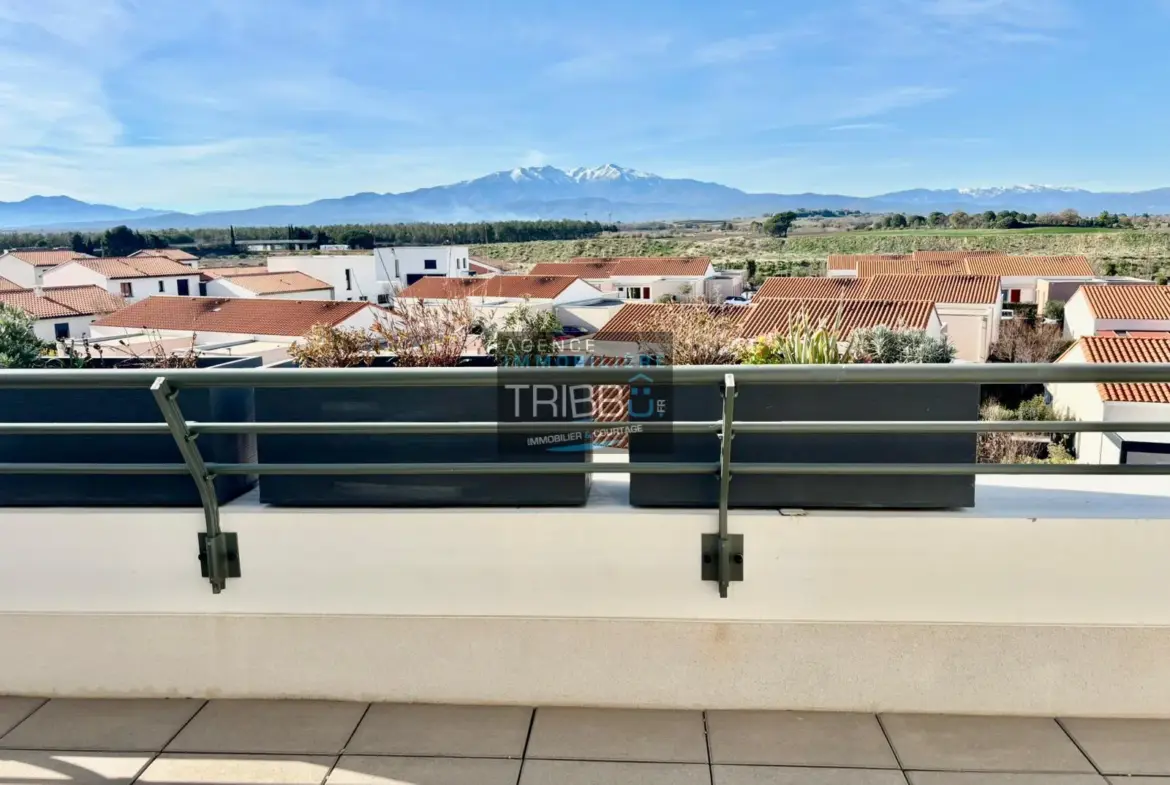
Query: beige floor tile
[[1124, 746], [619, 735], [454, 731], [389, 770], [790, 738], [964, 743], [293, 727], [787, 775], [14, 710], [575, 772], [234, 769], [37, 767], [111, 725]]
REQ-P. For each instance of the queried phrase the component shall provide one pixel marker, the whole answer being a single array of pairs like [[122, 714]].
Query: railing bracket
[[712, 553], [723, 552], [219, 551], [225, 550]]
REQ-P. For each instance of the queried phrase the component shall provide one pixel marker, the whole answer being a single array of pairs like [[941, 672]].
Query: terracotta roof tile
[[8, 286], [247, 315], [274, 283], [584, 268], [867, 268], [538, 287], [1131, 301], [964, 262], [633, 318], [174, 254], [936, 288], [846, 287], [1072, 266], [59, 301], [1129, 350], [38, 258], [774, 315], [936, 256], [232, 272], [639, 265], [136, 267], [849, 261]]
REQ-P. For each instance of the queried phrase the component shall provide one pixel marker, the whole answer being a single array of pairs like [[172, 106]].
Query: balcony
[[1046, 598]]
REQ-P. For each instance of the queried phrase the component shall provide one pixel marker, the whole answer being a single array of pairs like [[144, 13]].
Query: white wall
[[397, 262], [331, 269], [45, 329], [1078, 319], [576, 292], [951, 612], [590, 317], [1116, 411], [73, 274], [1083, 402], [970, 327], [1025, 283], [1158, 325], [20, 272]]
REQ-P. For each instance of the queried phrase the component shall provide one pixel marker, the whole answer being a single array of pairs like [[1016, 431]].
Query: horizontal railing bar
[[948, 468], [93, 468], [462, 468], [990, 373], [588, 468], [689, 427]]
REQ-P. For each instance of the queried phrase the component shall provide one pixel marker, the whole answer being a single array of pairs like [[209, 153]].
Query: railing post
[[723, 552], [218, 550]]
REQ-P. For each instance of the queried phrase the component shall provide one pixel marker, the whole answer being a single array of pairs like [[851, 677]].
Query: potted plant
[[19, 348], [441, 334], [807, 343]]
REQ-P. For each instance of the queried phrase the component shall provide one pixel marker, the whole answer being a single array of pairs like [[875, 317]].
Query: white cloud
[[729, 50], [859, 127], [534, 158]]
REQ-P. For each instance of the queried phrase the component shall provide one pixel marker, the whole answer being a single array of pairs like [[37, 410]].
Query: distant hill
[[605, 193]]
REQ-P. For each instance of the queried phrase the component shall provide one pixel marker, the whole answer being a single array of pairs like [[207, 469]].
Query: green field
[[1122, 252]]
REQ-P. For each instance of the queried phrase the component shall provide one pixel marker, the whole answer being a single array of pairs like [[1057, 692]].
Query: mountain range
[[605, 193]]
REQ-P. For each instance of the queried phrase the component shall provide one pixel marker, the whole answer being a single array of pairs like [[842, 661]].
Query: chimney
[[39, 290]]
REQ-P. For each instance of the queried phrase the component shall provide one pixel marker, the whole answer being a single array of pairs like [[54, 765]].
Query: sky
[[221, 104]]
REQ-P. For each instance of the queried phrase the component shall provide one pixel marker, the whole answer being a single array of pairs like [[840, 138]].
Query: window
[[349, 280], [184, 287], [637, 292], [383, 299], [127, 288], [162, 286], [1013, 295], [364, 299], [61, 331], [430, 264], [202, 289]]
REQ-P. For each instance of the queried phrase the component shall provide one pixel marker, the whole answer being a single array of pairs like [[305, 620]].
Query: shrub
[[1054, 309], [802, 344], [428, 335], [526, 335], [885, 345], [326, 346], [19, 345], [1024, 447], [690, 334], [1023, 342]]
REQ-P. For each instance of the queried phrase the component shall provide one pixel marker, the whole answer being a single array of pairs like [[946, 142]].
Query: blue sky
[[206, 104]]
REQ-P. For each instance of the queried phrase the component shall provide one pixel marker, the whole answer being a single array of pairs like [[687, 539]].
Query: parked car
[[736, 299], [572, 331], [1007, 314]]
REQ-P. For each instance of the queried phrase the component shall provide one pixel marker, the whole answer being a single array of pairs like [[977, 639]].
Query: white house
[[222, 319], [62, 313], [355, 277], [174, 254], [261, 282], [643, 278], [1117, 309], [1125, 402], [479, 265], [132, 279], [406, 264], [1019, 275], [26, 268]]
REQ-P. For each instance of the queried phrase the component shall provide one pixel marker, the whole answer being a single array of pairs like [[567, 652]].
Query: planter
[[796, 402], [404, 404], [64, 405]]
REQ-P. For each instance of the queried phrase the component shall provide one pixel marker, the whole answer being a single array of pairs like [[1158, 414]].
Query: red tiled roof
[[483, 266], [935, 256], [174, 254], [867, 268], [136, 267], [211, 273], [1136, 301], [535, 286], [936, 288], [1024, 266], [584, 268], [635, 265], [1133, 334], [47, 258], [1129, 350], [59, 301], [633, 318], [846, 287], [8, 286], [274, 283], [247, 315], [775, 315], [849, 261]]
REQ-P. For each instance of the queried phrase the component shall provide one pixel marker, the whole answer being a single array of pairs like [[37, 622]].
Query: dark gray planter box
[[404, 404], [63, 405], [796, 402]]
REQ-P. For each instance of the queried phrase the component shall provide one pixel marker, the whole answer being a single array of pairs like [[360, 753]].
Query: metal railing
[[721, 551]]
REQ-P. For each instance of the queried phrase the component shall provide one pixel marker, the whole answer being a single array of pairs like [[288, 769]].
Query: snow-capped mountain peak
[[1017, 189], [607, 172]]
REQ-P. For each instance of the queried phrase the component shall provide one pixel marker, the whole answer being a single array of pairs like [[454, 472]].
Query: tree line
[[1004, 219], [121, 240]]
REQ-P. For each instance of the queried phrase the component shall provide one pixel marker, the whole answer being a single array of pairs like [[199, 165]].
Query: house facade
[[261, 282], [352, 277], [62, 313], [174, 254], [132, 279], [1117, 402], [403, 265], [27, 268], [1102, 308], [647, 279]]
